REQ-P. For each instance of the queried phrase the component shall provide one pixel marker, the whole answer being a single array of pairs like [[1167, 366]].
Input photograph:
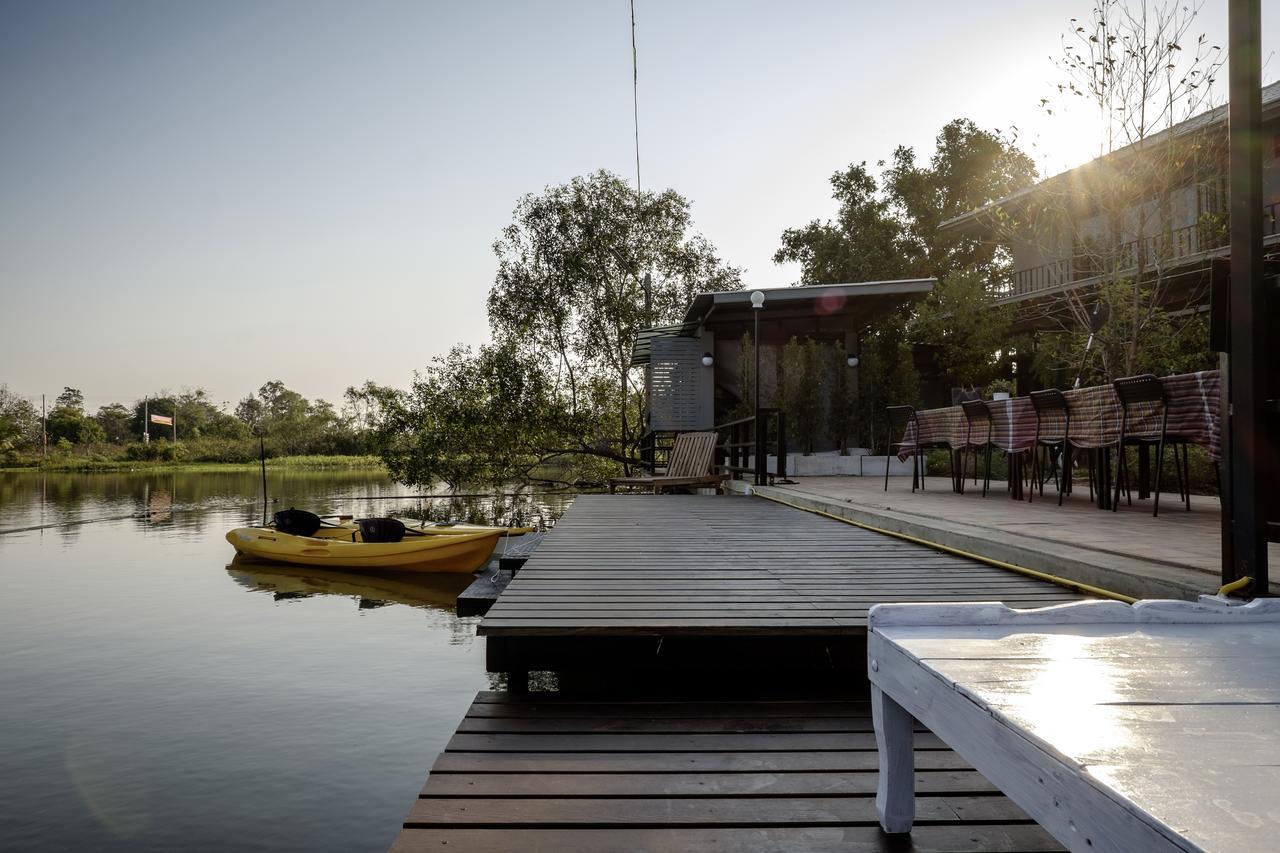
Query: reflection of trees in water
[[533, 509], [185, 500]]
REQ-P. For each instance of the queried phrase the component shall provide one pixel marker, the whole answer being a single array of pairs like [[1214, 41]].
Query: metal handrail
[[743, 433]]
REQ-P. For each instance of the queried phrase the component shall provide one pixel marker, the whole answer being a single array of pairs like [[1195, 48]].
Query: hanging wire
[[635, 93]]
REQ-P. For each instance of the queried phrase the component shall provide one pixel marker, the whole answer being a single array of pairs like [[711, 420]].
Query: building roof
[[868, 299], [642, 349], [1209, 118], [858, 305]]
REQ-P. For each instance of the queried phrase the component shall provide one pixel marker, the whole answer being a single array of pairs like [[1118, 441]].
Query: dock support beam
[[1250, 458]]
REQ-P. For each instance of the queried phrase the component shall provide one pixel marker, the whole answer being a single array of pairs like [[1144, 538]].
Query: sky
[[214, 195]]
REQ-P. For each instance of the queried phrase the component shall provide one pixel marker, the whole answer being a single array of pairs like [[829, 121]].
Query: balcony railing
[[1204, 236]]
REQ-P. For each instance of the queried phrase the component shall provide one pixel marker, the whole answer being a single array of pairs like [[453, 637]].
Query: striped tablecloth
[[1095, 418]]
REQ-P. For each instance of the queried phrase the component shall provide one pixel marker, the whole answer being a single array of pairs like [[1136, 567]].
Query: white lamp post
[[757, 302]]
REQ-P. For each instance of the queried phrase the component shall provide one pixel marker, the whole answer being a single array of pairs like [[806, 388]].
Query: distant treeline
[[288, 424]]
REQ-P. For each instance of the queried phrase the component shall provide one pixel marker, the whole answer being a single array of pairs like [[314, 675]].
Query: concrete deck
[[1174, 555]]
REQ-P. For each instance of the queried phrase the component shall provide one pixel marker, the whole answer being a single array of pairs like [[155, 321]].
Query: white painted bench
[[1146, 728]]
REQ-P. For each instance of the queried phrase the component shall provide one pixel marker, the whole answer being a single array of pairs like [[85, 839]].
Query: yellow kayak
[[462, 553], [350, 530]]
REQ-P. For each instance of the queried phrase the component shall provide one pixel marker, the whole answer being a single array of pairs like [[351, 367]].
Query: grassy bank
[[280, 463]]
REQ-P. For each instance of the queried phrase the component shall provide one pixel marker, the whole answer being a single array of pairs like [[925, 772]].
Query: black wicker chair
[[900, 417], [1053, 426], [977, 416], [1136, 393]]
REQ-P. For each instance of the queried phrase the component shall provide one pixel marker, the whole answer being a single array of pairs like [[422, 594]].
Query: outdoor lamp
[[852, 361], [708, 359], [757, 302]]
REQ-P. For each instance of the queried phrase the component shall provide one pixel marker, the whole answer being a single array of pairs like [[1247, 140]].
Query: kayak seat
[[381, 529], [297, 522]]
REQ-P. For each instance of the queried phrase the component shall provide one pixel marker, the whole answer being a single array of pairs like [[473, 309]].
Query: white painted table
[[1146, 728]]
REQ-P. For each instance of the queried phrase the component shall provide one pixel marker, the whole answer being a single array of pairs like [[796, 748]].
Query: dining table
[[1118, 729], [1194, 416]]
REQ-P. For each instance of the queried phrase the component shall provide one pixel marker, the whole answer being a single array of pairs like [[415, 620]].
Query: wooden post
[[262, 457]]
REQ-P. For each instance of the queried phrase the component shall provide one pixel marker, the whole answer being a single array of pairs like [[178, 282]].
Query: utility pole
[[146, 420], [1250, 458], [44, 430]]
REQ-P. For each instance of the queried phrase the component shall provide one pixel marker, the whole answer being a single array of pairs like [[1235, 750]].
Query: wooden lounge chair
[[689, 466]]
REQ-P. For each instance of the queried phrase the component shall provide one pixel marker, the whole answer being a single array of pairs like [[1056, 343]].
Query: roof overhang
[[981, 219], [862, 303], [853, 306], [642, 349]]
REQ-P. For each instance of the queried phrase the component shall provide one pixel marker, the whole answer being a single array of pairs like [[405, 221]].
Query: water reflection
[[188, 501], [149, 704], [369, 589]]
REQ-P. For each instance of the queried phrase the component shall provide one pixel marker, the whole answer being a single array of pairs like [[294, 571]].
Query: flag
[[162, 419]]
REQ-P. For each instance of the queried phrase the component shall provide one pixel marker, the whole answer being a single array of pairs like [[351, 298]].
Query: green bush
[[154, 451]]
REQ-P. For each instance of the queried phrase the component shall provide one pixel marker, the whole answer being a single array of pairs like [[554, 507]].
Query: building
[[1068, 233], [694, 369]]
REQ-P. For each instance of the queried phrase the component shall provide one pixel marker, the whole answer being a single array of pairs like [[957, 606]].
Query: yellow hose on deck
[[999, 564], [1227, 589]]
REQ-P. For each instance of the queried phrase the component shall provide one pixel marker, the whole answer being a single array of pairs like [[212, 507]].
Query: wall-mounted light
[[708, 359], [852, 361], [757, 299]]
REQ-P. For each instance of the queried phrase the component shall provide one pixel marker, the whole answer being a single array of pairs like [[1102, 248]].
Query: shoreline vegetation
[[83, 465]]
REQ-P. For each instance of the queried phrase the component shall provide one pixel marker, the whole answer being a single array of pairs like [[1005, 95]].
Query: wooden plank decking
[[665, 594], [715, 565], [548, 773]]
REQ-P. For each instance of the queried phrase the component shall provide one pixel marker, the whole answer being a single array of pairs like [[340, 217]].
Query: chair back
[[1132, 390], [691, 455], [1048, 401], [976, 412], [1051, 411], [899, 417]]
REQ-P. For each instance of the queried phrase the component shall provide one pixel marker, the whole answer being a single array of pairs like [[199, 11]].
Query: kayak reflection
[[369, 589]]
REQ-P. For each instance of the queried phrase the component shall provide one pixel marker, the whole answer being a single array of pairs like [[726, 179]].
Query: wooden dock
[[694, 582], [711, 657], [544, 773]]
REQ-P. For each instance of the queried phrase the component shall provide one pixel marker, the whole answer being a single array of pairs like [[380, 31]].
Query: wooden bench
[[690, 466], [1154, 727]]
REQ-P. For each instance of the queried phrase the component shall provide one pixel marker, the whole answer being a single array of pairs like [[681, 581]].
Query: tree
[[970, 168], [804, 373], [843, 398], [485, 416], [161, 403], [70, 398], [292, 424], [569, 287], [966, 328], [1118, 218], [887, 228], [67, 423], [865, 242], [19, 423], [117, 423]]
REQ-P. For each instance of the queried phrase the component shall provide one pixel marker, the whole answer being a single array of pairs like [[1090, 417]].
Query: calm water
[[154, 695]]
